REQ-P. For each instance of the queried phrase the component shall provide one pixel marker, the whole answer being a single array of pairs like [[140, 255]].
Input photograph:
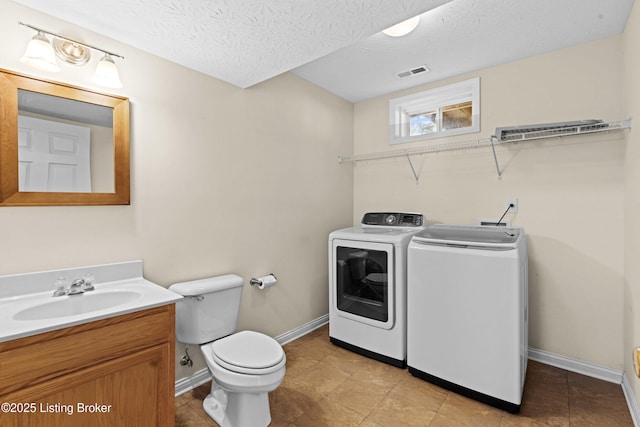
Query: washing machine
[[367, 285], [467, 324]]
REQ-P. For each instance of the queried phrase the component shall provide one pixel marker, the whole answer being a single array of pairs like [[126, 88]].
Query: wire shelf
[[492, 142]]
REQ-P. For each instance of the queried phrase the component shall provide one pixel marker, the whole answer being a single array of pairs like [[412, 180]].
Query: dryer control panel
[[393, 219]]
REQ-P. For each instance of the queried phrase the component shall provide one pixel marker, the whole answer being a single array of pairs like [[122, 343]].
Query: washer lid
[[248, 349], [469, 235]]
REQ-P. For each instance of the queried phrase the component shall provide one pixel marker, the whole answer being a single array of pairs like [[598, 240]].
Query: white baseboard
[[302, 330], [200, 377], [578, 366], [630, 397], [186, 384]]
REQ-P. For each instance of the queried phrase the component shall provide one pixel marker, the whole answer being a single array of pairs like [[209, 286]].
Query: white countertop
[[141, 294]]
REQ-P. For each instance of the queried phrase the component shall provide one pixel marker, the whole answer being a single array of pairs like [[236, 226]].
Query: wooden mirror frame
[[10, 82]]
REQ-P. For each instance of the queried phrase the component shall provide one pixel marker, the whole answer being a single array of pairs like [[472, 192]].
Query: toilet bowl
[[245, 367]]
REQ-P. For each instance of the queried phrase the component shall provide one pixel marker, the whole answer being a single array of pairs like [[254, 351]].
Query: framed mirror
[[61, 144]]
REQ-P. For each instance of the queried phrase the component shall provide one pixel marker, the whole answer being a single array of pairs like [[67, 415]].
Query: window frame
[[403, 108]]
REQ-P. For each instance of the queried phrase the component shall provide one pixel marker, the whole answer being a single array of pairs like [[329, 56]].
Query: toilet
[[245, 366]]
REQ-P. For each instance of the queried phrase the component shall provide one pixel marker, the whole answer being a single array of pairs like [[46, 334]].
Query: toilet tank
[[209, 309]]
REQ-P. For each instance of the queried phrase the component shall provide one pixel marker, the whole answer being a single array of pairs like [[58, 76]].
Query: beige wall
[[570, 190], [631, 43], [223, 180]]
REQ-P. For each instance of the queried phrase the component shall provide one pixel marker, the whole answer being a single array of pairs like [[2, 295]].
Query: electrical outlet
[[636, 360], [513, 202]]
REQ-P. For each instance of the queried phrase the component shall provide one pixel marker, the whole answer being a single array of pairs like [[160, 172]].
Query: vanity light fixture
[[403, 28], [106, 73], [41, 54]]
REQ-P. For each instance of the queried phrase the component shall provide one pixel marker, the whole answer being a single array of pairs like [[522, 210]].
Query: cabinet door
[[127, 391]]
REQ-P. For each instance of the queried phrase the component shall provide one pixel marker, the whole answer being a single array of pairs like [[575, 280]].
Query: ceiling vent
[[412, 72]]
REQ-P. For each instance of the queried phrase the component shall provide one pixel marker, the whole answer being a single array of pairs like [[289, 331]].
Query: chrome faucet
[[78, 286]]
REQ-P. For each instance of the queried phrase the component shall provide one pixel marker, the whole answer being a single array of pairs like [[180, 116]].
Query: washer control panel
[[393, 219]]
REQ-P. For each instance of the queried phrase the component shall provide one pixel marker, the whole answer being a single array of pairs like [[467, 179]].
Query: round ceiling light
[[403, 28]]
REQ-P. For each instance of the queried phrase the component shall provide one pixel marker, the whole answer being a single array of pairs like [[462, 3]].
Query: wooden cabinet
[[112, 372]]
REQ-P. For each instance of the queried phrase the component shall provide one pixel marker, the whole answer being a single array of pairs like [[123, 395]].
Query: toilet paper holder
[[258, 281]]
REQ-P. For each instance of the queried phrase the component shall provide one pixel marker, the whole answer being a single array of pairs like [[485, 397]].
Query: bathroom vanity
[[112, 366]]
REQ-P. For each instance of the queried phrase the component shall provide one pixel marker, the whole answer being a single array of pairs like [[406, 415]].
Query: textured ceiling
[[337, 44], [242, 42], [464, 36]]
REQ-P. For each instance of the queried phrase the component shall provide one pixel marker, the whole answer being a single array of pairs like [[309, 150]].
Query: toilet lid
[[247, 351]]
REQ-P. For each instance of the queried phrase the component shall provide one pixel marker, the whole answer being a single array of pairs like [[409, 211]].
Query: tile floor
[[328, 386]]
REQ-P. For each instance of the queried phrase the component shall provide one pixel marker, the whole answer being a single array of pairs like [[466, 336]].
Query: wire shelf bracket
[[413, 170], [495, 159]]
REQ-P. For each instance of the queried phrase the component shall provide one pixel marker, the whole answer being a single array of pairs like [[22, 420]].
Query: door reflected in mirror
[[61, 145], [64, 145]]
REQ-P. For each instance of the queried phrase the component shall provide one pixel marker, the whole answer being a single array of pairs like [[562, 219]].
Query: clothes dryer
[[367, 285]]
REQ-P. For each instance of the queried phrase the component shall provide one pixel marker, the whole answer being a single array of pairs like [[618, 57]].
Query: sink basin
[[28, 307], [72, 305]]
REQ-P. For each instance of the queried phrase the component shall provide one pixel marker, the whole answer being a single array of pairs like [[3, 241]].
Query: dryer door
[[362, 282]]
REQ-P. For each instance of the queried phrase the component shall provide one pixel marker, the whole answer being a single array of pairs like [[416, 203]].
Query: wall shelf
[[489, 142]]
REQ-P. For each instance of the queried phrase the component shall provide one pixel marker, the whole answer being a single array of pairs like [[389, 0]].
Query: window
[[448, 110]]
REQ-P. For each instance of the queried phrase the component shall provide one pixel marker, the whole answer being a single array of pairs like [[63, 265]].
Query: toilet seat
[[248, 352]]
